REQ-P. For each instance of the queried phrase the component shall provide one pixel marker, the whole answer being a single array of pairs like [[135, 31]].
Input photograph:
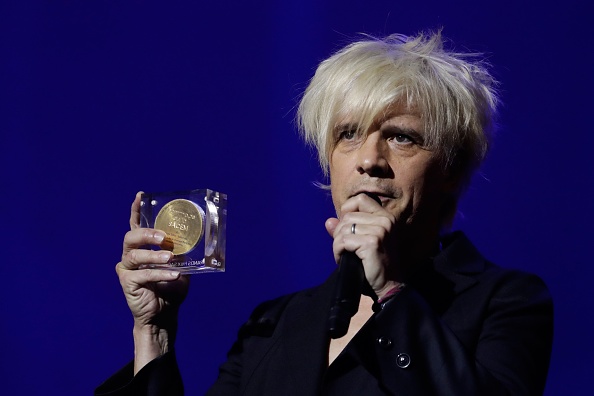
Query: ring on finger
[[353, 228]]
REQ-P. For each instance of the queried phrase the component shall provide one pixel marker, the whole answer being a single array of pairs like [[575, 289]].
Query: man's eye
[[402, 138], [347, 135]]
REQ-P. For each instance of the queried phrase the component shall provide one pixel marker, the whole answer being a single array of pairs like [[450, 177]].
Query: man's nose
[[372, 156]]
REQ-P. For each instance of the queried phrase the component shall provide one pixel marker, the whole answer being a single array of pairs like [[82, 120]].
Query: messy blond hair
[[453, 93]]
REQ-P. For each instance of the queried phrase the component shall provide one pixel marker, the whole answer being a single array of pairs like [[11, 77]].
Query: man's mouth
[[379, 196]]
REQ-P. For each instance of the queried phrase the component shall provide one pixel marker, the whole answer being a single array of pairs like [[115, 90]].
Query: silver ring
[[353, 227]]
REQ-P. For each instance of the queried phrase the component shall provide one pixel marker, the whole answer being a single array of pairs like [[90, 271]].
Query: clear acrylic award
[[195, 224]]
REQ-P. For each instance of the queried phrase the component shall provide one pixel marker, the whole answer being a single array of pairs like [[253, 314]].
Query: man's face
[[391, 162]]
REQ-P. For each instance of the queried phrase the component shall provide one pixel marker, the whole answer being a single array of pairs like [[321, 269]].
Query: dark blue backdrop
[[100, 100]]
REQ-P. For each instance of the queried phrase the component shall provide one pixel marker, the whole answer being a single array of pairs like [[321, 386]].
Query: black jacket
[[462, 326]]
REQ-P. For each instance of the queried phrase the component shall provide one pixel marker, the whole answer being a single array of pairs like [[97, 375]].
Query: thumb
[[331, 224]]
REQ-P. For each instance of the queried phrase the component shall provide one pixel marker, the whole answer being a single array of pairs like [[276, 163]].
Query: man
[[400, 125]]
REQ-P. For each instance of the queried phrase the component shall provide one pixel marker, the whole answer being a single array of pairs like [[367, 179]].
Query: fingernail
[[174, 274], [159, 237], [165, 256]]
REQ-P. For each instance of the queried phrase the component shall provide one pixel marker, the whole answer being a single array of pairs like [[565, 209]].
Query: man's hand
[[154, 296], [373, 241]]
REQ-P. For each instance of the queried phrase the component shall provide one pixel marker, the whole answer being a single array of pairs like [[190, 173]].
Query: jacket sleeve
[[160, 377], [260, 325], [509, 356]]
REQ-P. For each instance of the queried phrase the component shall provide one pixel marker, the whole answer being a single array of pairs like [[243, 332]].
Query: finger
[[361, 203], [141, 237], [360, 244], [351, 243], [331, 224], [367, 238], [143, 277], [363, 230], [381, 219], [135, 212], [136, 257]]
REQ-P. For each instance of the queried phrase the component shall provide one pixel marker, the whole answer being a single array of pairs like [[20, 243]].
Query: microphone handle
[[347, 294], [351, 283]]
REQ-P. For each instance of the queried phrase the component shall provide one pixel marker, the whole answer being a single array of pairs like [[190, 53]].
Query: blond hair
[[453, 93]]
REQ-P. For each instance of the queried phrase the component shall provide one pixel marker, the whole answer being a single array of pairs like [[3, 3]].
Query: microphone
[[351, 283]]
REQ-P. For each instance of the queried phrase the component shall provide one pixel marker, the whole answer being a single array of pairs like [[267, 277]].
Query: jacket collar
[[459, 255], [459, 262]]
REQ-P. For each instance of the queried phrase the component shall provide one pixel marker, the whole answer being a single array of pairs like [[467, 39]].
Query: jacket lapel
[[459, 261]]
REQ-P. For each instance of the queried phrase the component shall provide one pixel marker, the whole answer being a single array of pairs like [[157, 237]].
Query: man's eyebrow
[[404, 130], [346, 126]]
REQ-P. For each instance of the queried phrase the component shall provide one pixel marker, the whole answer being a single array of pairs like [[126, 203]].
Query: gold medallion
[[182, 220]]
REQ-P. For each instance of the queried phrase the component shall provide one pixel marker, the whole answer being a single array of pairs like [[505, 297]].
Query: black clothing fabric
[[462, 326]]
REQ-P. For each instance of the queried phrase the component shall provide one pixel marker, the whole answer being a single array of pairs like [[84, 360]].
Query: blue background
[[102, 99]]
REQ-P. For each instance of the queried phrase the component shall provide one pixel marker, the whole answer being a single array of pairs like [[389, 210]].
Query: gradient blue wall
[[100, 100]]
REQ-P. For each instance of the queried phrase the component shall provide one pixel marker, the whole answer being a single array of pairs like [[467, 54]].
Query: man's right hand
[[153, 295]]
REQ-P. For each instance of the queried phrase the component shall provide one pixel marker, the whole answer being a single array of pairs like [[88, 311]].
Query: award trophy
[[195, 223]]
